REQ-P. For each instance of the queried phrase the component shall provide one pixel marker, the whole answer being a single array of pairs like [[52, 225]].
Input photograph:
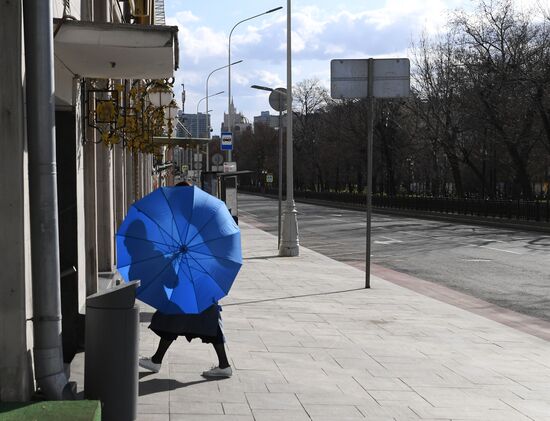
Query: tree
[[498, 50], [438, 81], [309, 99]]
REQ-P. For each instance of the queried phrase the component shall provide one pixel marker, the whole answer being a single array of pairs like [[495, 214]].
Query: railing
[[521, 210], [504, 209]]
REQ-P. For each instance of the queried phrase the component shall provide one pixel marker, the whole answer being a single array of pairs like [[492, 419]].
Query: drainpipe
[[48, 352]]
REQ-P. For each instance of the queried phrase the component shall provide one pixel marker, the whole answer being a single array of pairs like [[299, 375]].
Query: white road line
[[414, 234], [390, 240], [505, 251]]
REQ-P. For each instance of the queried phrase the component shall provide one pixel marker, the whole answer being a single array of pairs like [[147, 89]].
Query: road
[[506, 267]]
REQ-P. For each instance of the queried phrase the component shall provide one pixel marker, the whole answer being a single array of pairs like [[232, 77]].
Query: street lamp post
[[207, 119], [229, 114], [198, 103], [277, 100], [289, 242]]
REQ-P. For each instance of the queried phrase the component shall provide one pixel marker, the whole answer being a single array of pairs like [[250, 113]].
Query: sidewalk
[[307, 342]]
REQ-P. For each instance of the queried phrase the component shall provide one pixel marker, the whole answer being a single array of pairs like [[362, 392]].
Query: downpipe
[[40, 96]]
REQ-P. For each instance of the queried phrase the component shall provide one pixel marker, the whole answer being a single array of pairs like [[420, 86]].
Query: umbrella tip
[[183, 249]]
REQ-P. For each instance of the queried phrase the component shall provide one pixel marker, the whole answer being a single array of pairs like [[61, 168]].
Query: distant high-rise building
[[196, 125], [240, 122], [269, 120]]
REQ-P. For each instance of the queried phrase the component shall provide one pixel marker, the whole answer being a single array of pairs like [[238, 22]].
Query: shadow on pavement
[[145, 317], [164, 385], [294, 296], [261, 257], [143, 374]]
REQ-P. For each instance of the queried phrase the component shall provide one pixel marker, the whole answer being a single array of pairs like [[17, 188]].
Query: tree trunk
[[457, 176], [522, 173]]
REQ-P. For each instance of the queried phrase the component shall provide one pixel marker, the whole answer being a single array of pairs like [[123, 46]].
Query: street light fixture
[[229, 114], [208, 128], [263, 88], [278, 103], [198, 103]]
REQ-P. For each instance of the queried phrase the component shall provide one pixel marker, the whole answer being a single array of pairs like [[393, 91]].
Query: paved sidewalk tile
[[308, 343]]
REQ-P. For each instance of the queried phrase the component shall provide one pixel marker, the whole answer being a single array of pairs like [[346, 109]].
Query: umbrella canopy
[[184, 247]]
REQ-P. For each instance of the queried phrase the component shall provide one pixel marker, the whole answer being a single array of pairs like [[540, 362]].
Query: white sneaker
[[149, 365], [217, 372]]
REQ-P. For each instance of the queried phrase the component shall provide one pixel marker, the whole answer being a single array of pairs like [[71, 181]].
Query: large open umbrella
[[184, 247]]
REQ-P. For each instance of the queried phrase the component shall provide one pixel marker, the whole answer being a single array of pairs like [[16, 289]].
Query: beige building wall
[[16, 375], [105, 209], [119, 187], [80, 195]]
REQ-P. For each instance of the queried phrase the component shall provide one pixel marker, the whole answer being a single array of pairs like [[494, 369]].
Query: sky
[[322, 30]]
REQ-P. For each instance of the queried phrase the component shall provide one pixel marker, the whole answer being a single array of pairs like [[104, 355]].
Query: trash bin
[[111, 351]]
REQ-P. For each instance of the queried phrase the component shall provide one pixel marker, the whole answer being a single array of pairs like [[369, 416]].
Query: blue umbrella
[[184, 247]]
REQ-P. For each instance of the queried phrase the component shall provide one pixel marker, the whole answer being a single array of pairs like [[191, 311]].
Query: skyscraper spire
[[182, 98]]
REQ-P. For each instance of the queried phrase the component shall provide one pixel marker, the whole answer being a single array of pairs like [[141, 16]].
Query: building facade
[[267, 119], [239, 123], [193, 125], [95, 183]]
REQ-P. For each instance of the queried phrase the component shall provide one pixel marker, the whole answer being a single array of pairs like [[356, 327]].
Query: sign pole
[[226, 139], [370, 135], [356, 78], [280, 176]]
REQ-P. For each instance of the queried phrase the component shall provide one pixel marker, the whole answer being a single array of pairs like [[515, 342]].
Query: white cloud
[[239, 79], [320, 32], [186, 16], [252, 36], [269, 78], [334, 49], [200, 42]]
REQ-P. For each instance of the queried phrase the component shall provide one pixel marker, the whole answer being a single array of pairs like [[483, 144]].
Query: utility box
[[223, 185], [111, 351], [209, 182], [228, 193]]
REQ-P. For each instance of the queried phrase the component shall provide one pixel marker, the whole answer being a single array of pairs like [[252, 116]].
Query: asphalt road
[[506, 267]]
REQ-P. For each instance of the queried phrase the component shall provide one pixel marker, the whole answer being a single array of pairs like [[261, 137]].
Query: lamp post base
[[290, 245]]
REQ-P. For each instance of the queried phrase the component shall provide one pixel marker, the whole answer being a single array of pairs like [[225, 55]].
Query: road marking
[[478, 260], [425, 236], [390, 240], [505, 251]]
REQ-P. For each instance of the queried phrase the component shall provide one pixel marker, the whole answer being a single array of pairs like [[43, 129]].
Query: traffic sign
[[227, 141], [229, 166], [217, 159], [370, 78], [277, 99], [349, 78], [269, 178]]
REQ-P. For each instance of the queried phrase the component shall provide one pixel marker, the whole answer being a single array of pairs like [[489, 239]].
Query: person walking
[[206, 326]]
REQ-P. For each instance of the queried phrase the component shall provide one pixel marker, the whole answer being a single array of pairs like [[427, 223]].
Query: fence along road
[[506, 267]]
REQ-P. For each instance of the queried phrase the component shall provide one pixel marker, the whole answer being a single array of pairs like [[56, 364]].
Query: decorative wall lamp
[[103, 111], [139, 8], [170, 117], [131, 116]]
